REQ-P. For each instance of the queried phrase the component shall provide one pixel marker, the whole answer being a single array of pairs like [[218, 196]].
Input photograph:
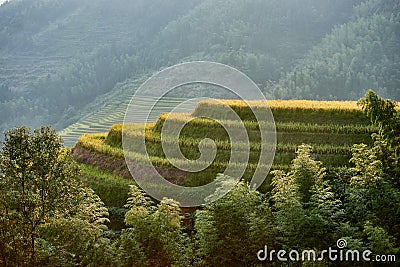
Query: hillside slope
[[362, 53], [56, 57]]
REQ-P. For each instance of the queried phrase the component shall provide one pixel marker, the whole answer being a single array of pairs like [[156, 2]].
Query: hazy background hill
[[361, 53], [59, 57]]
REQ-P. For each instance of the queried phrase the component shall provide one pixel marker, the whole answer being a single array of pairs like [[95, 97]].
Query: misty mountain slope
[[39, 38], [48, 34], [56, 57], [60, 27], [262, 38], [360, 54]]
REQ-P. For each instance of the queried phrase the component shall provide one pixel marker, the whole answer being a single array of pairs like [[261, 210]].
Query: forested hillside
[[58, 56], [362, 53]]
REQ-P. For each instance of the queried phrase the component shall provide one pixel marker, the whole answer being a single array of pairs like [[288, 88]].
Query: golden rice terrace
[[331, 127]]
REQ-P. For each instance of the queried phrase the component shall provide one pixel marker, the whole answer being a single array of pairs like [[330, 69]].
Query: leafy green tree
[[154, 236], [38, 190], [306, 172], [386, 117], [371, 197], [81, 231], [290, 214], [231, 230], [36, 182], [307, 213], [379, 240]]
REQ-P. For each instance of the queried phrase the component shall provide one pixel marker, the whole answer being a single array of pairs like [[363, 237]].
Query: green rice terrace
[[330, 127]]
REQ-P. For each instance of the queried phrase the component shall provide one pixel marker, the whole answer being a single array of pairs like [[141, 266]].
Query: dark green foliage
[[42, 205], [308, 214], [36, 182], [371, 197], [154, 236], [116, 216], [380, 241], [262, 38], [386, 117], [230, 231]]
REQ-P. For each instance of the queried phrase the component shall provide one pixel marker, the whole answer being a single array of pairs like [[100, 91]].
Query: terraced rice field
[[113, 113], [330, 127]]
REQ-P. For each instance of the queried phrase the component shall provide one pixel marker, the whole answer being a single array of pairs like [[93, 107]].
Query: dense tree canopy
[[362, 53], [44, 211]]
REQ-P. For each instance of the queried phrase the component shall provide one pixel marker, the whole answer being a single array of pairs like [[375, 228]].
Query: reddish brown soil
[[119, 167]]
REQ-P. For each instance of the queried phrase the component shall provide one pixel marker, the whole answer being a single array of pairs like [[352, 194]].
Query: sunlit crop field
[[330, 127]]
